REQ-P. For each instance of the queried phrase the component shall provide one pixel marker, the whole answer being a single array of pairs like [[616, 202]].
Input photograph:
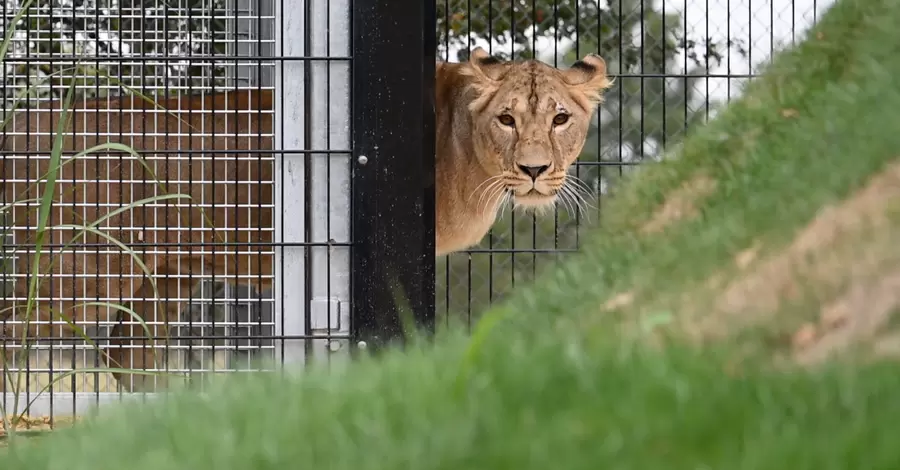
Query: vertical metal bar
[[684, 28], [265, 9], [512, 214], [447, 284], [265, 78], [749, 36], [643, 47], [727, 56], [534, 219], [664, 70], [815, 15], [556, 37], [490, 235], [624, 67], [330, 175], [6, 242], [290, 184], [707, 69], [393, 168]]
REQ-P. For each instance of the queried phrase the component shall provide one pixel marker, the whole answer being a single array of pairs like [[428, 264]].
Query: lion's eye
[[506, 120], [560, 119]]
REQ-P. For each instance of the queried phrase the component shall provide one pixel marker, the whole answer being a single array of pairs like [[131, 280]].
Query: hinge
[[335, 311]]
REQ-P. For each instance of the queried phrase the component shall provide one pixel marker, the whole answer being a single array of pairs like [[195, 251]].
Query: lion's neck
[[467, 203]]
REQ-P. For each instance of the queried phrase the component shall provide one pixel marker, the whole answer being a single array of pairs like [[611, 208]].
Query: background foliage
[[114, 29]]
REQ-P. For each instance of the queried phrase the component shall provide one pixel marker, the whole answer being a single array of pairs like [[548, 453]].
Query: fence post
[[291, 293], [393, 169], [329, 177]]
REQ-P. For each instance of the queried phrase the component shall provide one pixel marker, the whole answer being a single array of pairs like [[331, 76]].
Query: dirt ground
[[836, 284], [38, 424], [681, 204], [845, 265]]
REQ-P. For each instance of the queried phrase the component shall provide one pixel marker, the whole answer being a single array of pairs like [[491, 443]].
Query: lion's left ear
[[588, 75]]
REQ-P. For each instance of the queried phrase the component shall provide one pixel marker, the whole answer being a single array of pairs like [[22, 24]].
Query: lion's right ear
[[481, 67]]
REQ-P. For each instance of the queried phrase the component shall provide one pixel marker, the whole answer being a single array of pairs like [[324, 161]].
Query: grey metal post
[[290, 178], [330, 175]]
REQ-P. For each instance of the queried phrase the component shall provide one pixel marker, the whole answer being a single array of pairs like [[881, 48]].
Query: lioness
[[505, 130]]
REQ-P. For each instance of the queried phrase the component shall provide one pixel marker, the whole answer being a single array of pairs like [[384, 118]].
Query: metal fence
[[292, 126], [178, 263], [220, 240], [676, 62]]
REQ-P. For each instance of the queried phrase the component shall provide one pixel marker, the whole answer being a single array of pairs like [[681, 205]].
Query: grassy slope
[[560, 384]]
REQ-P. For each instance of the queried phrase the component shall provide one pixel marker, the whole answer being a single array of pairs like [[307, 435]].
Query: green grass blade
[[43, 218]]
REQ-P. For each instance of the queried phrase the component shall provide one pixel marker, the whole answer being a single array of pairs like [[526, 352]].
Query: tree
[[649, 108]]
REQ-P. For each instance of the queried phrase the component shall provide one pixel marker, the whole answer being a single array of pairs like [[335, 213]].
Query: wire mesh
[[676, 62], [162, 259], [108, 54]]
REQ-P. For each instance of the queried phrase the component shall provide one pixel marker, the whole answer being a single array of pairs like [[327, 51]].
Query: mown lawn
[[670, 343]]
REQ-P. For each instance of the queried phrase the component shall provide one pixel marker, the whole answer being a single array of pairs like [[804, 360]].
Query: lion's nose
[[534, 171]]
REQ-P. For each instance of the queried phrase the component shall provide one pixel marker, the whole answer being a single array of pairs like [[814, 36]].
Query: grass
[[667, 376]]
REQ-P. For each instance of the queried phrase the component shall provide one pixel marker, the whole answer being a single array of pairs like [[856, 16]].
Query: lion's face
[[531, 121]]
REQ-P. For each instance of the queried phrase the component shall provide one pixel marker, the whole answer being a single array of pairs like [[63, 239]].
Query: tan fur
[[479, 157], [471, 149]]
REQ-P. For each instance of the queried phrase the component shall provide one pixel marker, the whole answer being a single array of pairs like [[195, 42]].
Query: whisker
[[563, 197], [579, 201], [492, 178], [585, 204], [581, 184], [507, 197], [586, 189], [488, 197], [486, 191], [495, 192], [575, 180], [579, 188], [576, 206]]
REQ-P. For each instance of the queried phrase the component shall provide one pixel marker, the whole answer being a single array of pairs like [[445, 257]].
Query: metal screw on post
[[361, 345], [363, 159]]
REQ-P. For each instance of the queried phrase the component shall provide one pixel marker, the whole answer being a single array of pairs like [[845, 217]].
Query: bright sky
[[755, 25]]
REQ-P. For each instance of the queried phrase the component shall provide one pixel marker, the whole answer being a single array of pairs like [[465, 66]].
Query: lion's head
[[530, 121]]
